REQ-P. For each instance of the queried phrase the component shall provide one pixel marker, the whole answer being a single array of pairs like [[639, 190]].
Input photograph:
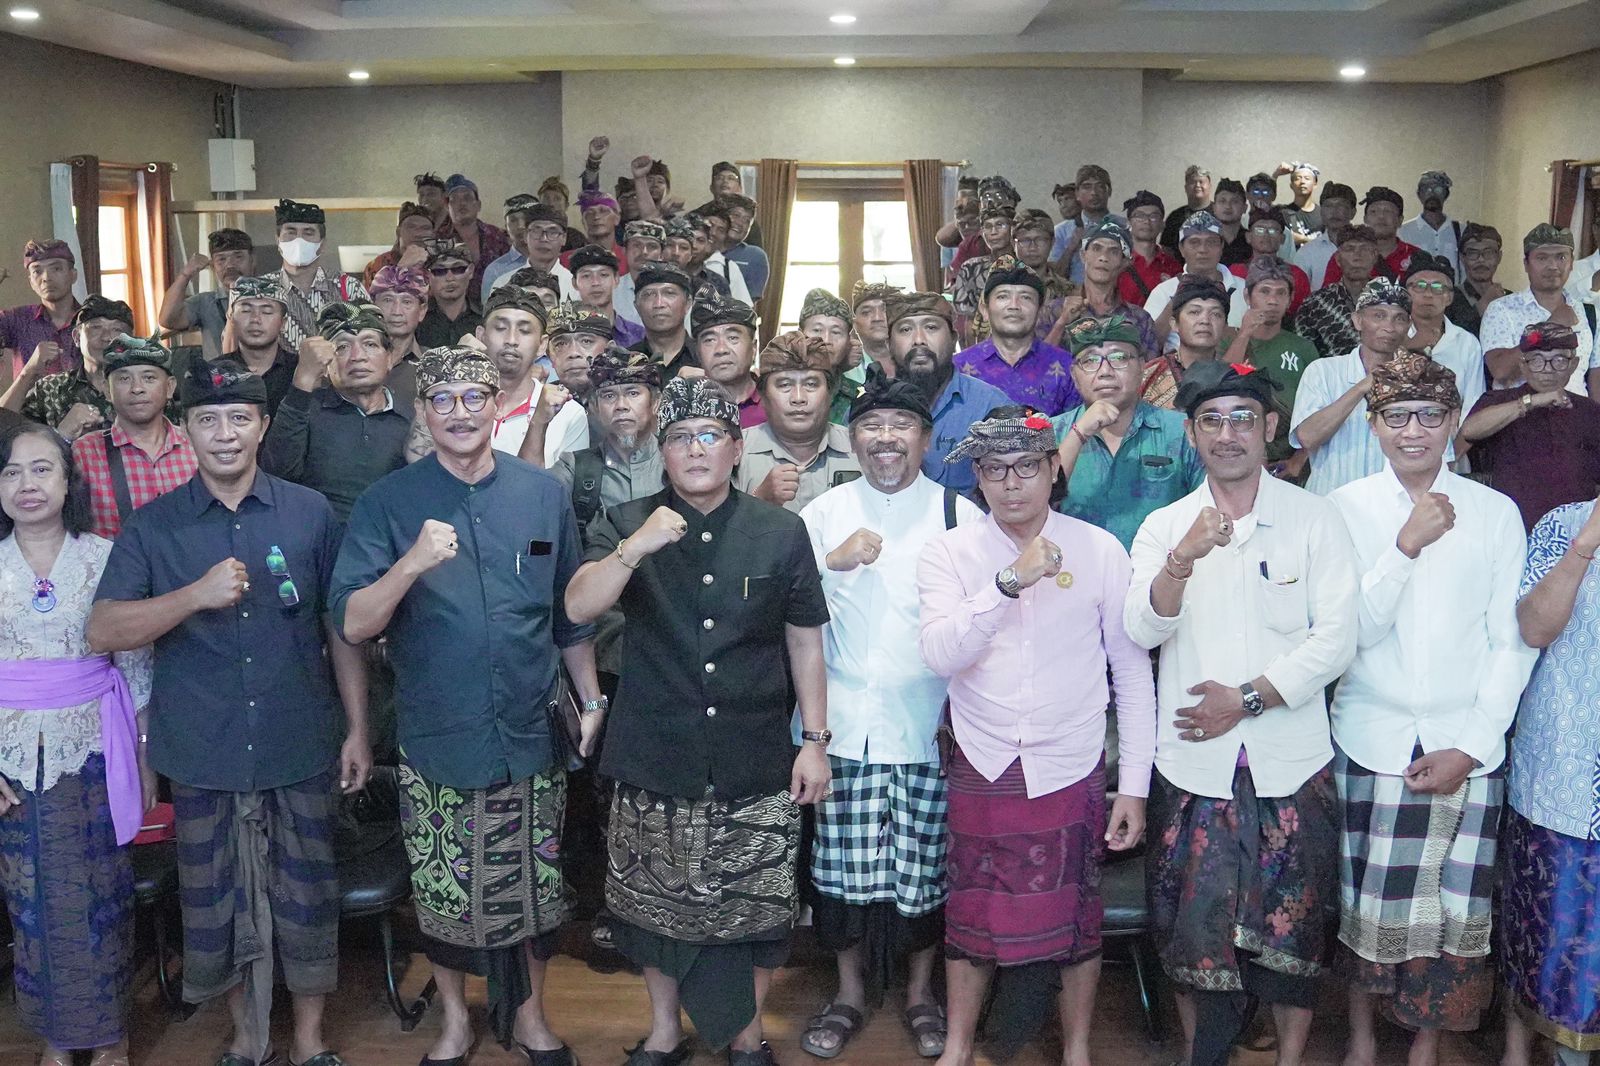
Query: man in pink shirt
[[1022, 611]]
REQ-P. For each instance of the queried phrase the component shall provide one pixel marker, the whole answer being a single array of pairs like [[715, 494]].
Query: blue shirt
[[243, 699], [1042, 378], [509, 263], [476, 641], [964, 401], [1555, 761], [753, 264], [1154, 466]]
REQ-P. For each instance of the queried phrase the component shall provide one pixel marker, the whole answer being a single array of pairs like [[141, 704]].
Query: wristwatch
[[817, 736], [1527, 403], [1006, 581], [601, 704], [1254, 702]]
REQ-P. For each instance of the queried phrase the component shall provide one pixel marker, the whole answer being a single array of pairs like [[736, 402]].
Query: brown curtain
[[925, 208], [776, 183], [1564, 175], [155, 258], [86, 205]]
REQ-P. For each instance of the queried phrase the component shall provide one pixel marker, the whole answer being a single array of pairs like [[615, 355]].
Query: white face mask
[[299, 252]]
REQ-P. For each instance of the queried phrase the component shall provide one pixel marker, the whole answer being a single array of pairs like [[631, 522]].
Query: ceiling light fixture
[[844, 61], [1352, 71], [25, 14], [842, 20], [359, 75]]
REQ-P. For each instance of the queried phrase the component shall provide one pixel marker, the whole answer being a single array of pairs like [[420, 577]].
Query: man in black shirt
[[662, 300], [725, 612], [228, 577], [452, 310], [257, 310]]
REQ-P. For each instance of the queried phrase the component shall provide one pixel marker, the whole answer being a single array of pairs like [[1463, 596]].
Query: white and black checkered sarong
[[881, 836], [1417, 871]]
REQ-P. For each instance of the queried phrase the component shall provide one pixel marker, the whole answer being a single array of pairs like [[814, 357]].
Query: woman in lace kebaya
[[73, 784]]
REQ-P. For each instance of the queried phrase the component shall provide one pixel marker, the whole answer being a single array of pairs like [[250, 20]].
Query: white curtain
[[61, 221], [146, 252]]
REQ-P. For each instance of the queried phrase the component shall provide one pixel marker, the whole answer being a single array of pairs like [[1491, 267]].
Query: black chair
[[1127, 918], [155, 888], [375, 876]]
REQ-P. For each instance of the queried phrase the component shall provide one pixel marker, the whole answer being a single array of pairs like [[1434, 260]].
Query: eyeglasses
[[1480, 253], [1145, 216], [1024, 468], [1550, 362], [878, 429], [546, 233], [449, 272], [679, 440], [278, 567], [1092, 363], [474, 400], [1211, 422], [1266, 231], [1427, 417], [1438, 288]]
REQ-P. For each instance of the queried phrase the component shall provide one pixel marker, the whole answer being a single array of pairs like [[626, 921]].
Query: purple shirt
[[23, 328], [1041, 378], [1548, 457], [627, 333]]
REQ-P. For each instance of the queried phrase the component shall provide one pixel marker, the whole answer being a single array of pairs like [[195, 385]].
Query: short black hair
[[428, 180], [76, 513]]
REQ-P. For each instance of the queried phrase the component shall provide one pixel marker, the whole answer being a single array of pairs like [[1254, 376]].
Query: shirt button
[[249, 747], [706, 536], [706, 580], [477, 520], [707, 624], [237, 526], [244, 614], [247, 659], [711, 668], [711, 712], [252, 703]]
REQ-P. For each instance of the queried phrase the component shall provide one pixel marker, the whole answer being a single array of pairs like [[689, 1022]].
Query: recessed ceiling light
[[842, 20], [1352, 71], [359, 75], [25, 14], [844, 61]]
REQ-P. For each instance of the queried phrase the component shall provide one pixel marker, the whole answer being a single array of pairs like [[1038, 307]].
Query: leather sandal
[[561, 1056], [841, 1020], [639, 1056], [761, 1056], [928, 1028]]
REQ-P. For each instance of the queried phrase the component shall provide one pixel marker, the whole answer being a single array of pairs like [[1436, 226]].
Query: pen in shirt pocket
[[1268, 577]]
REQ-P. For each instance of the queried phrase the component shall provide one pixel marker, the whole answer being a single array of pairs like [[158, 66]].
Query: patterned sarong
[[881, 836], [1548, 930], [69, 890], [485, 863]]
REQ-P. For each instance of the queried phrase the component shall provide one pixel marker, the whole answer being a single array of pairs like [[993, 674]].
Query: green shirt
[[1155, 466], [1285, 357], [850, 383]]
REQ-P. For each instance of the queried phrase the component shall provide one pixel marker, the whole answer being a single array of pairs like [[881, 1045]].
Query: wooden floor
[[602, 1013]]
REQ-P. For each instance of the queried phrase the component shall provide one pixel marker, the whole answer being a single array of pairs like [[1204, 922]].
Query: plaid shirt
[[301, 320], [147, 477]]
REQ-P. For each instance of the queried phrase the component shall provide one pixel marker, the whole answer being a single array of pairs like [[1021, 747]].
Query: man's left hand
[[1221, 707], [1126, 825], [812, 775], [355, 763], [1439, 772], [589, 724]]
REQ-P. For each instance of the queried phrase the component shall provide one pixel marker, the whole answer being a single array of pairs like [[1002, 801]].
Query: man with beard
[[143, 454], [231, 256], [725, 346], [1013, 360], [870, 317], [229, 576], [879, 852], [796, 454], [1433, 231], [644, 242], [338, 429], [41, 334], [724, 639], [1199, 315], [1382, 210], [1330, 410], [663, 305], [476, 545], [1228, 208], [827, 318], [401, 296], [1303, 216], [452, 311], [594, 279], [574, 336], [1325, 318], [1338, 207], [302, 231], [922, 343], [75, 401], [258, 314], [484, 242], [1547, 258]]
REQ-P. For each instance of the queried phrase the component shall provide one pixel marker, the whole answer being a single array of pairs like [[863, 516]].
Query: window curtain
[[776, 183], [1566, 178], [155, 240], [924, 185], [75, 211]]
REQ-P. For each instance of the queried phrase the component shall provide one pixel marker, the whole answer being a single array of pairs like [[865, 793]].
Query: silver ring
[[452, 545], [1199, 734], [245, 587], [1055, 557]]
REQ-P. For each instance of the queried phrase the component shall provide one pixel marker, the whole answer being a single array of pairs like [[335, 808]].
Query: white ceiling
[[262, 43]]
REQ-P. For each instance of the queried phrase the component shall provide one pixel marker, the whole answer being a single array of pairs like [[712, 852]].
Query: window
[[843, 231], [116, 242]]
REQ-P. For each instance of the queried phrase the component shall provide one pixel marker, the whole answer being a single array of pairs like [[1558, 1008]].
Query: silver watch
[[1008, 584], [1254, 702]]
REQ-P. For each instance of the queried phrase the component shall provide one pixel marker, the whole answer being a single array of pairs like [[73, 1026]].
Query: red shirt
[[1392, 265], [147, 478], [1299, 288], [1137, 281]]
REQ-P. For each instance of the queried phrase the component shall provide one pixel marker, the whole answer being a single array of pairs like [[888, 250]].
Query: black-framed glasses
[[474, 400], [278, 567], [1438, 288], [1092, 362], [1025, 468], [1551, 362], [1212, 421], [1427, 417], [680, 439]]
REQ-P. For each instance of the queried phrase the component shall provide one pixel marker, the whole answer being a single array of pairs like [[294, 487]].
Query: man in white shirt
[[544, 238], [881, 828], [1420, 718], [1429, 284], [1200, 244], [1247, 585], [1330, 407], [1547, 254], [1433, 231]]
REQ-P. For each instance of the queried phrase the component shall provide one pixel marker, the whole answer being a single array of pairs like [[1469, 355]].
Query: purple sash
[[48, 684]]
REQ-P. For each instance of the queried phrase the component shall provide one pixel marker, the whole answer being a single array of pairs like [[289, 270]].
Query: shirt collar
[[1395, 488], [712, 523], [173, 440], [200, 495], [1267, 495], [333, 398]]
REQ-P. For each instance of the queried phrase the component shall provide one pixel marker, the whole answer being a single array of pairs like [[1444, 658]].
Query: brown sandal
[[840, 1019], [928, 1028]]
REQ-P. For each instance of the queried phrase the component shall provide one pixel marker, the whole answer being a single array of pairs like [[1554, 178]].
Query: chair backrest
[[369, 819]]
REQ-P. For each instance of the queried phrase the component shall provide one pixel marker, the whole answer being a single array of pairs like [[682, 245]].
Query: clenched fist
[[222, 586], [1039, 560], [641, 167], [1211, 529], [598, 147], [197, 262], [861, 548], [436, 544], [1099, 415], [664, 526], [1432, 516], [315, 362], [45, 353], [781, 484]]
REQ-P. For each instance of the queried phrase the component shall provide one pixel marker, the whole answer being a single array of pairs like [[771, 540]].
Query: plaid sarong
[[881, 836], [1416, 871]]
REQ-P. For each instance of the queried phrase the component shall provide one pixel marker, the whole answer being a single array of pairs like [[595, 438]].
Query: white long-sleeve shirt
[[1278, 600], [1441, 659]]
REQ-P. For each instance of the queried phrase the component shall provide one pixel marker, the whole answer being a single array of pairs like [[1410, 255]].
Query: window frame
[[851, 194]]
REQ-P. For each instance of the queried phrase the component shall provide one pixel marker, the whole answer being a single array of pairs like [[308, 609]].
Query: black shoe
[[638, 1056], [561, 1056], [761, 1056]]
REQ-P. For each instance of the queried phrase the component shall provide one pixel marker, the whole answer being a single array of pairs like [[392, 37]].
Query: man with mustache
[[1014, 360], [232, 255], [922, 344], [885, 706], [797, 454]]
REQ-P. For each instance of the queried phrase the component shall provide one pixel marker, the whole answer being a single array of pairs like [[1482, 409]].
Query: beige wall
[[371, 141], [104, 107], [1536, 116]]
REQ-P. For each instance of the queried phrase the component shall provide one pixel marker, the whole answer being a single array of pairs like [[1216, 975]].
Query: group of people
[[1241, 535]]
